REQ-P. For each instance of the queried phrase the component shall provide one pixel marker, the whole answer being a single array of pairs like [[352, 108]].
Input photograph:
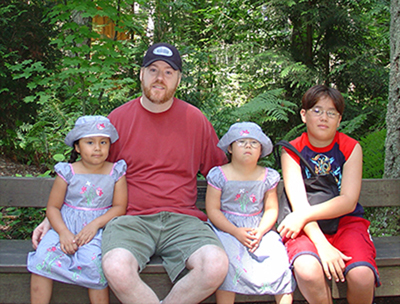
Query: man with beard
[[165, 143]]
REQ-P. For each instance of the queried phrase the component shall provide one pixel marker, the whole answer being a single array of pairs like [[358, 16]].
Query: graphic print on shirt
[[243, 197], [90, 192], [323, 165]]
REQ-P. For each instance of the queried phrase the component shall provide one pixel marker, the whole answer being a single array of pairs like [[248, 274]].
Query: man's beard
[[158, 98]]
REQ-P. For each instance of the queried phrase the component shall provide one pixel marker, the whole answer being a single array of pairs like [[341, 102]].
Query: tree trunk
[[392, 158]]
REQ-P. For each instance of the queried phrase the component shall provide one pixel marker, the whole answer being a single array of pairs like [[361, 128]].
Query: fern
[[266, 107], [350, 126], [373, 146]]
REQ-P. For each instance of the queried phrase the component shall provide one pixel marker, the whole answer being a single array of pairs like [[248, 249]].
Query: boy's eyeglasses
[[253, 143], [317, 111]]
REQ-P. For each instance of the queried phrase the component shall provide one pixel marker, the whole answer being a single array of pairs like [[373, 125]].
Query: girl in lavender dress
[[242, 206], [86, 194]]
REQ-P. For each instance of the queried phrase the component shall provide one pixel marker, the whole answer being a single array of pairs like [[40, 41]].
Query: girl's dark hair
[[74, 154], [315, 93]]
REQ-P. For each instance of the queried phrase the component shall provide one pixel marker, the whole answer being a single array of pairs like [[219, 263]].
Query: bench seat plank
[[13, 255]]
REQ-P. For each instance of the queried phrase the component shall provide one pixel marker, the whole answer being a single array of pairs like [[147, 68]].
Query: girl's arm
[[54, 204], [213, 209], [118, 208], [269, 217]]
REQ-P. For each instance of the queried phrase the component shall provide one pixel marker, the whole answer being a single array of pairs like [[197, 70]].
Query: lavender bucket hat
[[246, 130], [86, 126]]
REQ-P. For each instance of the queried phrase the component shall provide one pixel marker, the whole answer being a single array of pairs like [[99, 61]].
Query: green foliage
[[24, 39], [373, 146], [92, 76], [384, 221], [19, 223]]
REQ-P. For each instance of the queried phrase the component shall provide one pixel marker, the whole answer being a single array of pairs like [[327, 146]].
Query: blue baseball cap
[[165, 52]]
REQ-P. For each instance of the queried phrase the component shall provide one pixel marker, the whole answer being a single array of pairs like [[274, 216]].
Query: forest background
[[244, 60]]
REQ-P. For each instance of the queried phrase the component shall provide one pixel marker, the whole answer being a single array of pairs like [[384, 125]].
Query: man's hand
[[39, 232]]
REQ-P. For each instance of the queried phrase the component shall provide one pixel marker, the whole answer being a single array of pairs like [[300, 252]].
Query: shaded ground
[[9, 167]]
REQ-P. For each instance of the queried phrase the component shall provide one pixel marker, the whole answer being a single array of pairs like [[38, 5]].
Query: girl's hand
[[333, 262], [67, 242], [257, 234], [292, 224], [86, 234], [244, 236]]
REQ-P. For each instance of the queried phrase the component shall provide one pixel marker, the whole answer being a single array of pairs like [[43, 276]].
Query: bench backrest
[[34, 192]]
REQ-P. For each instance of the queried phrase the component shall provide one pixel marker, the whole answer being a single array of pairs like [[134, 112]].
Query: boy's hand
[[291, 226]]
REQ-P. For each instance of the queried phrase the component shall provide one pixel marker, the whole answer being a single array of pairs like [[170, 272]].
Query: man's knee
[[213, 261], [120, 265]]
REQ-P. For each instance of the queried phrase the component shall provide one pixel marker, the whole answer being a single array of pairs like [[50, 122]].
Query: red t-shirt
[[164, 152]]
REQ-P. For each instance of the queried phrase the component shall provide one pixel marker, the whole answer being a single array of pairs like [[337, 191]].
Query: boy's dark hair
[[74, 154], [315, 93]]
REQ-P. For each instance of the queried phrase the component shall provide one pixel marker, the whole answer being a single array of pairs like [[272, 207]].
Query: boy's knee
[[361, 276]]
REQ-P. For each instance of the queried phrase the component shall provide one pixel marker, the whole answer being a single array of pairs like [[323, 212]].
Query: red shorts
[[352, 239]]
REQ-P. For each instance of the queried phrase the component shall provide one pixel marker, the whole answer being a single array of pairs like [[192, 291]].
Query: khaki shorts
[[172, 236]]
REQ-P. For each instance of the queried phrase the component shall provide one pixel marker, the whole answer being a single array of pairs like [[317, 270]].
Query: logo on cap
[[162, 51]]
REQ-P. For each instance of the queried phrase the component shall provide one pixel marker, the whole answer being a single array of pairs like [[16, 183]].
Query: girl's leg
[[286, 298], [360, 285], [311, 280], [99, 296], [41, 288], [225, 297]]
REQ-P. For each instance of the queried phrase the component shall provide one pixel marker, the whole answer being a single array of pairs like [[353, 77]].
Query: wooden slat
[[374, 192], [34, 192], [25, 191], [380, 192]]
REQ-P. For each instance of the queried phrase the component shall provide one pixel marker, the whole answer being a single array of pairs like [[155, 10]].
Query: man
[[165, 143]]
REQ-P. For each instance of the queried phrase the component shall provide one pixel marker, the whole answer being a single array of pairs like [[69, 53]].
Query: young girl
[[242, 206], [348, 254], [86, 195]]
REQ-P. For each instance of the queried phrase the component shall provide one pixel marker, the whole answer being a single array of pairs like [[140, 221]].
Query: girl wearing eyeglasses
[[349, 254], [242, 206]]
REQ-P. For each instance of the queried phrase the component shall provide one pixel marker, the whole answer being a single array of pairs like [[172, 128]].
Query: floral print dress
[[267, 270], [88, 197]]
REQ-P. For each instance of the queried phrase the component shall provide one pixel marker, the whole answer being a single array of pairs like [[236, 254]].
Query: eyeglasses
[[253, 143], [317, 111]]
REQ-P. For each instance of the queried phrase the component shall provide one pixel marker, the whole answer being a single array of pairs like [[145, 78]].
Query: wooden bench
[[33, 192]]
